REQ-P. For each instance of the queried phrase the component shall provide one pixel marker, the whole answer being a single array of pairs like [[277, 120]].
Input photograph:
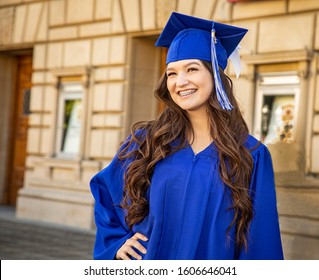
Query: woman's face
[[189, 83]]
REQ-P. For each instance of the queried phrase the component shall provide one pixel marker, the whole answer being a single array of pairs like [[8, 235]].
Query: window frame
[[292, 87], [72, 90]]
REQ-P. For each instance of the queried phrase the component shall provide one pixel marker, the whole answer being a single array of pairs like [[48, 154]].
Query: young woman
[[192, 184]]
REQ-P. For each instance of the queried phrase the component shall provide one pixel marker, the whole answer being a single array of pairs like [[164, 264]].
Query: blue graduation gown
[[189, 215]]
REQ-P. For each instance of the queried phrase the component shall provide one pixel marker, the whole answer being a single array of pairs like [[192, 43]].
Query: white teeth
[[186, 92]]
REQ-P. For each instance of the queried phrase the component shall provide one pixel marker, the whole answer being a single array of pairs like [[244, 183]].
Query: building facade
[[76, 74]]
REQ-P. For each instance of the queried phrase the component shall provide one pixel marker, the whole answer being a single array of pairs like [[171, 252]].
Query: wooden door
[[20, 127], [161, 105]]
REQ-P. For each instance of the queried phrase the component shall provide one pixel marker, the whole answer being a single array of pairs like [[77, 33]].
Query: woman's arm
[[264, 241], [111, 230]]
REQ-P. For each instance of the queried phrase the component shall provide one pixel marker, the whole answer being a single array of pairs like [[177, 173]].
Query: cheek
[[170, 87], [209, 89], [172, 94]]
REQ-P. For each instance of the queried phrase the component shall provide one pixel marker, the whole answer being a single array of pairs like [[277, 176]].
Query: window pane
[[71, 126], [278, 118]]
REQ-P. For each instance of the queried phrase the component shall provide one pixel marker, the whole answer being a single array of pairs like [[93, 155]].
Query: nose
[[181, 80]]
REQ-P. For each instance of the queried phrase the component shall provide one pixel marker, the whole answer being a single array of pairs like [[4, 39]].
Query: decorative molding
[[278, 57], [84, 72]]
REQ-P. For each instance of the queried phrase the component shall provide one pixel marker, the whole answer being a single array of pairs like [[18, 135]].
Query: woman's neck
[[202, 135]]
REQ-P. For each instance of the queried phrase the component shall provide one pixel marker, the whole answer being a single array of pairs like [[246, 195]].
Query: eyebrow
[[186, 65]]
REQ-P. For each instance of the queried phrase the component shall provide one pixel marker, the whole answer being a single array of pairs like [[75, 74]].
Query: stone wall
[[98, 40]]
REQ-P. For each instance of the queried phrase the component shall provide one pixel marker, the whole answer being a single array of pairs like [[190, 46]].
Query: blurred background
[[76, 74]]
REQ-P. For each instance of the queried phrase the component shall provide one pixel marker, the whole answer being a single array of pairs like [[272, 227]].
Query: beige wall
[[99, 40]]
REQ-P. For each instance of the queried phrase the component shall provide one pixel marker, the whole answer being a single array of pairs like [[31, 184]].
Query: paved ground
[[25, 240]]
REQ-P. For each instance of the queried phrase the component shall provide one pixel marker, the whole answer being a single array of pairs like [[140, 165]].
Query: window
[[276, 107], [69, 120]]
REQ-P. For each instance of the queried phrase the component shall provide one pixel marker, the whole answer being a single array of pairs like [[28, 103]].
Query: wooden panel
[[278, 67], [7, 82], [20, 127]]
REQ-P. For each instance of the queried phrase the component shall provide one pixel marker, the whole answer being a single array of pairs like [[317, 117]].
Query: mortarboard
[[188, 37]]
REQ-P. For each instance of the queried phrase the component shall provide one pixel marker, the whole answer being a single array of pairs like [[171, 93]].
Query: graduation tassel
[[235, 60], [220, 91]]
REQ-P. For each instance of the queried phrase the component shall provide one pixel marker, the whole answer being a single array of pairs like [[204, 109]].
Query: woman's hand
[[127, 251]]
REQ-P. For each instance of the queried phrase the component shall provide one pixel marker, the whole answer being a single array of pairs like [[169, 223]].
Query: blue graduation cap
[[188, 37]]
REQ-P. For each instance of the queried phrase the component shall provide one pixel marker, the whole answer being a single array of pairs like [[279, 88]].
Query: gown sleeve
[[111, 229], [264, 240]]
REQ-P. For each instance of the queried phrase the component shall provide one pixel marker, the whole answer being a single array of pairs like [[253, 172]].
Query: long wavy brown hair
[[154, 139]]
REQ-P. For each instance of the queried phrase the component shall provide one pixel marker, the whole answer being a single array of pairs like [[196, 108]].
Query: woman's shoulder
[[138, 131], [132, 142], [254, 145], [135, 136]]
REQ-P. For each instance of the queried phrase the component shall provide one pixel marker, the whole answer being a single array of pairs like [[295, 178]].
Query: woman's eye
[[192, 69], [169, 74]]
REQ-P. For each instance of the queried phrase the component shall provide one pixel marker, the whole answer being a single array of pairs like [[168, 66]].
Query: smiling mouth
[[186, 92]]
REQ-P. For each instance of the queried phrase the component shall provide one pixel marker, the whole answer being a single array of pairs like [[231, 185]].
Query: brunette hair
[[153, 141]]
